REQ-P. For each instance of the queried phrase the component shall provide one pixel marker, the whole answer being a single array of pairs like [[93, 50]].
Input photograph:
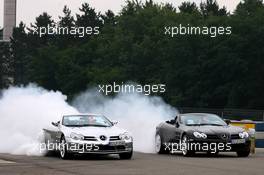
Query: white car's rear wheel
[[159, 147]]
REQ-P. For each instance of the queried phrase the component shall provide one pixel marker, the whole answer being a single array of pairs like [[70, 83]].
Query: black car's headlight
[[243, 135], [199, 135], [75, 136], [125, 136]]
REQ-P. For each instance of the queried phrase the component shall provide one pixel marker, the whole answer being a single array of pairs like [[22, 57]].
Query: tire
[[126, 156], [64, 154], [213, 154], [243, 153], [185, 151], [159, 147]]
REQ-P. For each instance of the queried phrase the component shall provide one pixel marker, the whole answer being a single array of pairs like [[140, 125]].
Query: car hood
[[217, 129], [93, 131]]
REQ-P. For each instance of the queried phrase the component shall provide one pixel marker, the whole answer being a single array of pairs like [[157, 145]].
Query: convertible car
[[88, 134], [200, 132]]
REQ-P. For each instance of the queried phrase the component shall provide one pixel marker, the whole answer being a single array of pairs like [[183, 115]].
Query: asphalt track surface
[[145, 164]]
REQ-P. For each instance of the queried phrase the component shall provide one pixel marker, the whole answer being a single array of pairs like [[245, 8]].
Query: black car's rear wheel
[[159, 147], [243, 153], [184, 146]]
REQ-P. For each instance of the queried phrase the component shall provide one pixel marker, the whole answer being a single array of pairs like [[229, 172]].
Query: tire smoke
[[137, 113], [25, 111]]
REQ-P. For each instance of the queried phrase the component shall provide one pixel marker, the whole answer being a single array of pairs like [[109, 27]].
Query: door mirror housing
[[56, 124], [114, 122], [227, 121], [172, 122], [177, 124]]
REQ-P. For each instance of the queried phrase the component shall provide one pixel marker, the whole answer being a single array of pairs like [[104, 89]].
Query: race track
[[145, 164]]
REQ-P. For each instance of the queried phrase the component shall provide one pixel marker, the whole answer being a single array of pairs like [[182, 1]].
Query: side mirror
[[177, 124], [172, 122], [55, 124], [227, 121], [114, 122]]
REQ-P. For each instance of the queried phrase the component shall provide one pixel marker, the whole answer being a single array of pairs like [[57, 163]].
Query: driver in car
[[91, 120], [204, 119]]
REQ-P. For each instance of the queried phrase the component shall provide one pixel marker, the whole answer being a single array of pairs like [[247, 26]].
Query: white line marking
[[4, 161]]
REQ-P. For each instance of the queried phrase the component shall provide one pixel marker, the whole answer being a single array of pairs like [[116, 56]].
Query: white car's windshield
[[86, 120], [209, 119]]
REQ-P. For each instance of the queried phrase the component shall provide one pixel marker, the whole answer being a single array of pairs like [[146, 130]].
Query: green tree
[[211, 7], [188, 7]]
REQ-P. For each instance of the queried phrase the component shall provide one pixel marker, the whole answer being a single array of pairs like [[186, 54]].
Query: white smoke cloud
[[25, 111]]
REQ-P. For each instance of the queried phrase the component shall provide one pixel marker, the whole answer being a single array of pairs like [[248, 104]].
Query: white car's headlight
[[76, 136], [199, 135], [243, 135], [125, 136]]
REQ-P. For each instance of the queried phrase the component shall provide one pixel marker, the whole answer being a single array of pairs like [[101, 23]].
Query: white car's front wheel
[[126, 155], [64, 154]]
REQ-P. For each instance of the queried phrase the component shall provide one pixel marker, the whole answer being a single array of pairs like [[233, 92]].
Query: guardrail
[[259, 127]]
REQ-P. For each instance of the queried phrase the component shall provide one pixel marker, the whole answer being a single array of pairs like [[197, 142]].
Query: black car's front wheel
[[243, 153], [185, 146]]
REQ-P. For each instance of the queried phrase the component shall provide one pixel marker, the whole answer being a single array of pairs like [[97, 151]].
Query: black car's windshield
[[86, 120], [201, 119]]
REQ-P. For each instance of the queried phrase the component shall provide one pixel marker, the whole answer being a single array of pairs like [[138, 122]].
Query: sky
[[28, 10]]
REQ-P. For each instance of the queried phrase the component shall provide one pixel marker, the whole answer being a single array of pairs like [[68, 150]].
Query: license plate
[[117, 143], [238, 141]]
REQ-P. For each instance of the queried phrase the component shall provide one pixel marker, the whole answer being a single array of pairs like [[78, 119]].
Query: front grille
[[114, 138], [235, 136], [218, 137], [90, 138], [111, 148], [212, 136]]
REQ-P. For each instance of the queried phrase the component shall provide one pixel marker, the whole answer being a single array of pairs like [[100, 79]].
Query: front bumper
[[221, 145], [99, 148]]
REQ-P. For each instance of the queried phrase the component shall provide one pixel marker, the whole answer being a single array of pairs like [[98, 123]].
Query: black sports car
[[199, 132]]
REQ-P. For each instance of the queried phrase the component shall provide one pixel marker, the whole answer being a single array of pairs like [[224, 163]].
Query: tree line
[[199, 71]]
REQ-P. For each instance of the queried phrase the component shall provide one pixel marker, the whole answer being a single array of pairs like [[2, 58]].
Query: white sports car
[[88, 133]]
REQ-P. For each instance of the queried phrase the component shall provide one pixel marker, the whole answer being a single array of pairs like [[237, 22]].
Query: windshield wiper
[[193, 124], [93, 125], [71, 125], [213, 124], [85, 125], [204, 124]]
